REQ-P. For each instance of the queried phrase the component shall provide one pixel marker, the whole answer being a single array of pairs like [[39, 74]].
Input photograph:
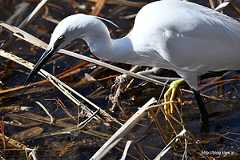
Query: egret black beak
[[44, 58]]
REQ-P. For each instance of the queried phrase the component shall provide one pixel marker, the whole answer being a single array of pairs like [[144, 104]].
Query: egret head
[[70, 28]]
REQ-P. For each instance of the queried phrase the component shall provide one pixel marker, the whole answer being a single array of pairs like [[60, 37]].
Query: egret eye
[[59, 41], [61, 37]]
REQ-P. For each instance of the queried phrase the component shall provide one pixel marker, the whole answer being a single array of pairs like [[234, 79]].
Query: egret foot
[[170, 96]]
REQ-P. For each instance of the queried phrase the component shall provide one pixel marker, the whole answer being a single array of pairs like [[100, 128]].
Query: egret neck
[[106, 48]]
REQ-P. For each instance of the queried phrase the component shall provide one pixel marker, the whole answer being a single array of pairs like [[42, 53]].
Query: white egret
[[178, 35]]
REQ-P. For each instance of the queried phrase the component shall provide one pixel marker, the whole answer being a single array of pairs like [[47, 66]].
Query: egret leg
[[170, 95], [203, 111]]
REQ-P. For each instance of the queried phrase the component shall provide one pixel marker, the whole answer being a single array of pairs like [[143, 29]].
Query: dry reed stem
[[127, 146], [46, 111], [221, 6], [212, 3], [30, 17], [121, 132], [123, 2], [236, 7], [168, 146], [65, 89], [98, 7]]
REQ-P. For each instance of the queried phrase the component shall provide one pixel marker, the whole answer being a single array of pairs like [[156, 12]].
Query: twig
[[46, 111], [14, 108], [168, 146], [212, 3], [158, 125], [1, 157], [64, 108], [32, 14], [32, 153], [222, 6], [119, 81], [185, 156], [124, 155], [85, 122]]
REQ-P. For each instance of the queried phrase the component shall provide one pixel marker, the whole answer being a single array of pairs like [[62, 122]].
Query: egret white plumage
[[178, 35]]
